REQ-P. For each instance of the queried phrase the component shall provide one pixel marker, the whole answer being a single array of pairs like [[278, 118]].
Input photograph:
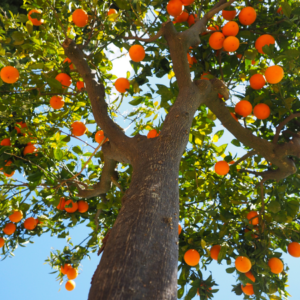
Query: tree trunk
[[141, 254]]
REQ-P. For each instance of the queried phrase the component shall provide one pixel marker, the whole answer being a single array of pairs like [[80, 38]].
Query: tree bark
[[141, 254]]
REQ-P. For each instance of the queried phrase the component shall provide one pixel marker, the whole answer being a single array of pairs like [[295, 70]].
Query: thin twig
[[148, 40], [244, 157]]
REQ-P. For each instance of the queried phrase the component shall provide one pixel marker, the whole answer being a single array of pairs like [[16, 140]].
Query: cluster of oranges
[[71, 206], [71, 273]]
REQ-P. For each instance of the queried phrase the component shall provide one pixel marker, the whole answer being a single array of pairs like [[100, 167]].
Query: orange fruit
[[274, 74], [187, 2], [64, 79], [174, 8], [221, 167], [214, 251], [16, 216], [230, 28], [61, 204], [9, 74], [253, 62], [191, 19], [279, 10], [35, 22], [243, 264], [254, 236], [263, 40], [294, 249], [72, 273], [216, 40], [190, 60], [57, 102], [69, 62], [204, 77], [30, 223], [257, 81], [261, 111], [73, 208], [182, 17], [252, 216], [231, 44], [80, 17], [137, 53], [213, 28], [65, 268], [234, 116], [179, 229], [191, 257], [22, 124], [228, 14], [9, 175], [83, 206], [29, 149], [2, 242], [79, 85], [99, 136], [247, 15], [78, 128], [243, 108], [9, 228], [239, 56], [70, 285], [152, 134], [248, 289], [250, 276], [122, 84], [111, 12], [276, 265], [5, 142], [8, 163]]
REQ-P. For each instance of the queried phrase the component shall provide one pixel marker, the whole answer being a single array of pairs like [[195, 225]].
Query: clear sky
[[27, 277]]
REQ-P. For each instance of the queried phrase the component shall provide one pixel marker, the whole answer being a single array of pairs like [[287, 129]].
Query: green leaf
[[235, 142], [58, 154], [286, 8], [136, 101], [77, 150], [230, 270], [274, 207]]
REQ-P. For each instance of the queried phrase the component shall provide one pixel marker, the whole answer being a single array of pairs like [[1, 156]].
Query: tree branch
[[248, 154], [147, 40]]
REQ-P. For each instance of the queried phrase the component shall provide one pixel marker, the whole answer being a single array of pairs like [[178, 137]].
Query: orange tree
[[225, 61]]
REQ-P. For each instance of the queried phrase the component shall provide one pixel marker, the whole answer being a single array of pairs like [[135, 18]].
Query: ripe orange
[[2, 242], [111, 12], [231, 44], [73, 208], [29, 149], [152, 134], [8, 163], [9, 74], [35, 22], [261, 111], [274, 74], [99, 136], [16, 216], [214, 251], [191, 257], [243, 264], [69, 62], [234, 116], [122, 84], [137, 52], [80, 17], [213, 28], [204, 77], [257, 81], [263, 40], [79, 85], [243, 108], [254, 236], [83, 206], [190, 60], [174, 8], [247, 15], [57, 102], [248, 289], [78, 128], [187, 2], [294, 249], [9, 175], [221, 167], [252, 216], [250, 276], [9, 228], [216, 40], [22, 124], [276, 265], [191, 19], [65, 268], [64, 79], [30, 223], [239, 56], [230, 28], [279, 10], [5, 142], [72, 273], [228, 14], [179, 229], [61, 204], [182, 17], [70, 285]]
